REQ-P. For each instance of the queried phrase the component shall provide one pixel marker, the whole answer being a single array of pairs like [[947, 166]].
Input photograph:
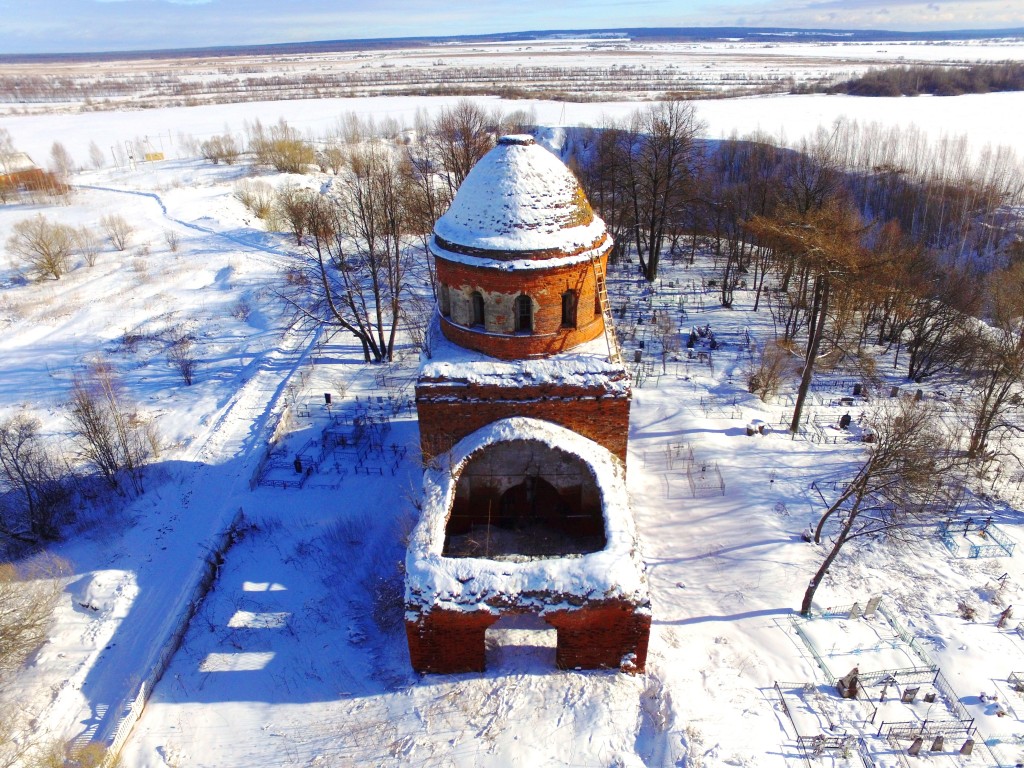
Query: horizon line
[[426, 40]]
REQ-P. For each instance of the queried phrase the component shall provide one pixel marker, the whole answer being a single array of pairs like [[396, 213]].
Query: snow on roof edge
[[613, 573], [584, 365], [525, 263]]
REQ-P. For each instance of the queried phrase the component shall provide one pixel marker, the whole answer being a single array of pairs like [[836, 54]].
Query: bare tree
[[256, 196], [60, 161], [7, 151], [44, 246], [826, 242], [28, 596], [221, 148], [172, 239], [427, 194], [182, 357], [359, 254], [97, 158], [7, 154], [29, 473], [293, 205], [768, 371], [661, 152], [330, 158], [996, 371], [281, 147], [908, 477], [117, 230], [814, 174], [111, 435], [462, 134], [600, 164], [88, 244]]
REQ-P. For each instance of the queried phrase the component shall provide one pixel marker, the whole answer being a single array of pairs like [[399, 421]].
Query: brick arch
[[524, 486]]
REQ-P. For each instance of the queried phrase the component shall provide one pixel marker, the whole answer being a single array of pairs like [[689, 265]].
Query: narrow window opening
[[444, 300], [478, 309], [597, 296], [569, 309], [524, 314]]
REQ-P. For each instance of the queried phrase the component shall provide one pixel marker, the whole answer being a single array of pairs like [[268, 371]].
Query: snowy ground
[[285, 657]]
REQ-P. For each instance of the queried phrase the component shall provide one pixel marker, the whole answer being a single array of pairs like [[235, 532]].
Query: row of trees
[[936, 81], [45, 248], [860, 238], [40, 479]]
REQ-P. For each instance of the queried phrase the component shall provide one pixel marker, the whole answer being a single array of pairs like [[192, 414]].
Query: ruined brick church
[[523, 405]]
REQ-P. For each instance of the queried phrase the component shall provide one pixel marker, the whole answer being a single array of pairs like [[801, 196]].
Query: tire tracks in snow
[[266, 249]]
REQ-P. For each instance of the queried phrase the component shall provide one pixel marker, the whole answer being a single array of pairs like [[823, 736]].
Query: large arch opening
[[524, 499], [520, 643]]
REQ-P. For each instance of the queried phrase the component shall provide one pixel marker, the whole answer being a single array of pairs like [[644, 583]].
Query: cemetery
[[893, 704]]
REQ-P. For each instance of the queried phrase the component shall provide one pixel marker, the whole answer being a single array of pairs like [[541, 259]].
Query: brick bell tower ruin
[[523, 405]]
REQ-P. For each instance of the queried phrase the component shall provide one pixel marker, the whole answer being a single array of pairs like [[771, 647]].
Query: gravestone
[[938, 744], [855, 611], [848, 685], [968, 747], [915, 748], [909, 694], [872, 606], [1004, 617]]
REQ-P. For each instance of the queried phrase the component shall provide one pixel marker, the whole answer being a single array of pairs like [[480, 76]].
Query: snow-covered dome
[[519, 201]]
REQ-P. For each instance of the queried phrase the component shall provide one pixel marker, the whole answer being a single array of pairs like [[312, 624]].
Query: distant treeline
[[935, 81]]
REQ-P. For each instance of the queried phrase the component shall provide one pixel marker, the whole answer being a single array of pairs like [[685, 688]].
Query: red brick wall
[[545, 287], [447, 642], [602, 635], [445, 420]]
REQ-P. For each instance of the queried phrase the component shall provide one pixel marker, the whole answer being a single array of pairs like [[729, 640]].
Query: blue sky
[[44, 26]]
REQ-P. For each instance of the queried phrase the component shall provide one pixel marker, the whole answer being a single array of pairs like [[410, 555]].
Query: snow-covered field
[[988, 119], [582, 69], [284, 663]]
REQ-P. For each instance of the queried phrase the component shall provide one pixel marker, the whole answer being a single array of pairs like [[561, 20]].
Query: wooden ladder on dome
[[601, 288]]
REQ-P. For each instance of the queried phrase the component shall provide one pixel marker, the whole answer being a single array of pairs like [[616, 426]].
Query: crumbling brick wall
[[448, 414], [601, 635]]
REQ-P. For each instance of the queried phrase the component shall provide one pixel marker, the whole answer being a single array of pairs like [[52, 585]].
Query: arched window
[[478, 308], [444, 300], [524, 314], [569, 309]]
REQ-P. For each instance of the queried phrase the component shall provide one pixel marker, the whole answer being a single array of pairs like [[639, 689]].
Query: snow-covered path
[[136, 573], [157, 563]]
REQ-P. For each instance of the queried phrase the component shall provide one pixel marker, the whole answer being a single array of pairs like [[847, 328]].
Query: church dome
[[520, 257], [520, 202]]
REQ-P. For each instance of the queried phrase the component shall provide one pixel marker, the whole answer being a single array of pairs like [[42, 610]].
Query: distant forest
[[935, 81]]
